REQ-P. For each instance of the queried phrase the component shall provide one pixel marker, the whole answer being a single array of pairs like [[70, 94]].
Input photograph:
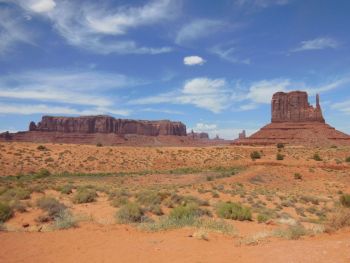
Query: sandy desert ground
[[79, 203]]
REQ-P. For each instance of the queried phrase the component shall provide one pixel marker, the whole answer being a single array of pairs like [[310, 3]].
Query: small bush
[[317, 157], [233, 211], [298, 176], [292, 232], [99, 144], [6, 212], [67, 189], [42, 173], [279, 156], [255, 155], [347, 159], [118, 201], [65, 220], [156, 209], [84, 195], [41, 148], [16, 194], [187, 211], [345, 200], [148, 198], [51, 205], [339, 220], [262, 218], [280, 145], [129, 213], [210, 178]]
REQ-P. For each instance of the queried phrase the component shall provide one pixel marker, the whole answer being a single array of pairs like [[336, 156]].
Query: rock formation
[[294, 107], [242, 135], [107, 124], [198, 135], [295, 121]]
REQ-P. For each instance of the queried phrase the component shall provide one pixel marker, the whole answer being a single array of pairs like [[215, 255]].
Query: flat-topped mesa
[[295, 107], [108, 124]]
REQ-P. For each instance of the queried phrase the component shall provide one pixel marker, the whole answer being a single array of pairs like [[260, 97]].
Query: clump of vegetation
[[235, 211], [298, 176], [17, 193], [292, 232], [338, 220], [41, 148], [130, 213], [42, 173], [6, 212], [262, 218], [280, 145], [51, 205], [279, 156], [149, 198], [65, 220], [67, 189], [255, 155], [347, 159], [345, 200], [185, 211], [317, 157], [84, 195], [99, 144]]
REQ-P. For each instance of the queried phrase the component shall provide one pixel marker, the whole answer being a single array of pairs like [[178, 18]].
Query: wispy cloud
[[198, 29], [193, 60], [260, 3], [343, 106], [13, 31], [229, 53], [317, 44], [98, 27], [205, 93]]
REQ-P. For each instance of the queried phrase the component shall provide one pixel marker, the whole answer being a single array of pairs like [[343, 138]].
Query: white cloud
[[193, 60], [260, 3], [228, 53], [205, 93], [262, 91], [98, 28], [12, 31], [317, 44], [343, 106], [38, 6], [28, 109], [198, 29], [75, 87]]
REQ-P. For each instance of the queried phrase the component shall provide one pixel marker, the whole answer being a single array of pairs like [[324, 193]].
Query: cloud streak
[[317, 44]]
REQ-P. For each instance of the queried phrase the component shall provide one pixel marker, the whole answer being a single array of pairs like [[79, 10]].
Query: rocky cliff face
[[294, 107], [107, 124]]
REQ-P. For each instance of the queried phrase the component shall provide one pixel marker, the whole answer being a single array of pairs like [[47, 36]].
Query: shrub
[[185, 211], [280, 145], [16, 193], [347, 159], [317, 157], [99, 144], [233, 211], [65, 220], [41, 148], [292, 232], [279, 156], [345, 200], [262, 218], [6, 212], [148, 198], [84, 195], [119, 201], [156, 209], [67, 189], [210, 178], [255, 155], [42, 173], [129, 213], [339, 220], [51, 205], [298, 176]]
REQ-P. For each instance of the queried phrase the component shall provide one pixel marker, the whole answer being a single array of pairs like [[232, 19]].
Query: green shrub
[[255, 155], [129, 213], [67, 189], [317, 157], [280, 145], [262, 218], [65, 220], [16, 193], [84, 195], [99, 144], [345, 200], [185, 211], [6, 212], [119, 201], [298, 176], [210, 178], [292, 232], [235, 211], [42, 173], [148, 198], [156, 209], [51, 205], [279, 156], [347, 159]]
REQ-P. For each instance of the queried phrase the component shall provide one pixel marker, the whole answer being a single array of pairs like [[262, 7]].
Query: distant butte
[[295, 121]]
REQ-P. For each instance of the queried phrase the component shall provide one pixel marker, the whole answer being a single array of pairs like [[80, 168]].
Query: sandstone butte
[[295, 121]]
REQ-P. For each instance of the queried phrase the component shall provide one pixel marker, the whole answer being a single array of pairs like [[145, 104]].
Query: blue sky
[[213, 65]]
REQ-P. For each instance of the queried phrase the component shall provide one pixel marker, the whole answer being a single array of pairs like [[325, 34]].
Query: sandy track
[[123, 244]]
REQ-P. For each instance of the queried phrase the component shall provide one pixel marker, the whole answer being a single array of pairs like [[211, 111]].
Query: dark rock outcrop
[[107, 124], [198, 135]]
